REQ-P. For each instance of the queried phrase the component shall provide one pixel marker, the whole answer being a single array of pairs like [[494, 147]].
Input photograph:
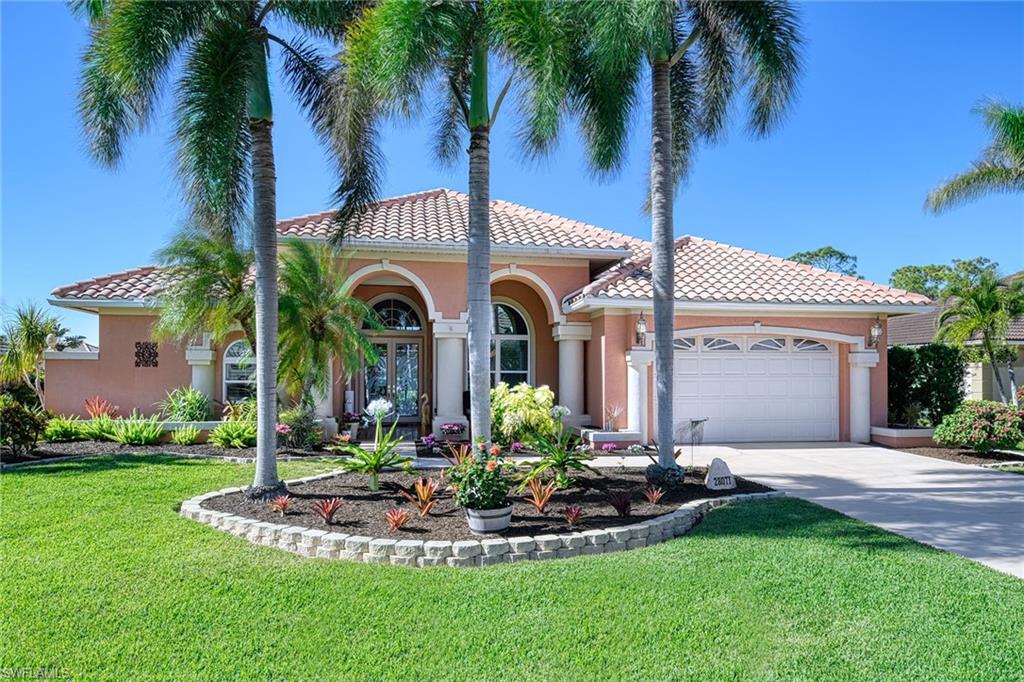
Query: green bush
[[302, 431], [99, 428], [63, 429], [234, 434], [242, 411], [522, 410], [137, 430], [902, 371], [185, 404], [185, 435], [982, 425], [927, 381], [20, 425]]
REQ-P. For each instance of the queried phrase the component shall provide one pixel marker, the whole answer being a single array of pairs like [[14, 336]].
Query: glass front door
[[396, 376]]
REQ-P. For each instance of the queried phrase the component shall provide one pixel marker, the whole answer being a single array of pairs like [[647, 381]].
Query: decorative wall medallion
[[146, 354]]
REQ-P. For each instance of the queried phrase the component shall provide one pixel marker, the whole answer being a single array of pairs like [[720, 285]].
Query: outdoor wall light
[[641, 330], [875, 335]]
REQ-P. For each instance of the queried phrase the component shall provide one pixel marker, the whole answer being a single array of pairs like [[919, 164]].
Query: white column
[[449, 373], [861, 363], [637, 362], [200, 358], [570, 338]]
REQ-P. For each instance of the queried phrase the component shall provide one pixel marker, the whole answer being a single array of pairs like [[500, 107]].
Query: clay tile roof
[[135, 284], [708, 271], [915, 330]]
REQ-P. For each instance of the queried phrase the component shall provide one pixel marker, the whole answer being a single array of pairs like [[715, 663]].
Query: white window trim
[[529, 338], [386, 296], [227, 360]]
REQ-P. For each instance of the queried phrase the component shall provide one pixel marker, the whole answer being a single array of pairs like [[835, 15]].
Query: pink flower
[[283, 429], [495, 450], [491, 465]]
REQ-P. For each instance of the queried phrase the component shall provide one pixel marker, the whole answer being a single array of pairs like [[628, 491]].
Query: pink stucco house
[[766, 349]]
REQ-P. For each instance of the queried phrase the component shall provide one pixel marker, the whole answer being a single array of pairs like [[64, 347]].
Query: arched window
[[397, 315], [510, 346], [239, 372]]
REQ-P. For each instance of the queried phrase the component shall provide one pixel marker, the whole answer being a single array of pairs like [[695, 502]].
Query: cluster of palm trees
[[589, 59]]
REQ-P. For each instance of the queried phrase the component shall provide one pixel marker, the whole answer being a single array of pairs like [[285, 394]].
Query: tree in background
[[27, 335], [699, 56], [209, 285], [319, 321], [220, 53], [1001, 167], [933, 280], [828, 258], [982, 312]]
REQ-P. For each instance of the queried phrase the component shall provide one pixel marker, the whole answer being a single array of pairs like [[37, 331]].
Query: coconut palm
[[700, 56], [404, 52], [209, 287], [27, 335], [1001, 167], [218, 54], [319, 321], [981, 311]]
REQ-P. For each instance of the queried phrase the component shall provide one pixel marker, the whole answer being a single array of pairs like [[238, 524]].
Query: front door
[[396, 376]]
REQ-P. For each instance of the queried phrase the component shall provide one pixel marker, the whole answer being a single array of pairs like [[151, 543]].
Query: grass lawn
[[100, 578]]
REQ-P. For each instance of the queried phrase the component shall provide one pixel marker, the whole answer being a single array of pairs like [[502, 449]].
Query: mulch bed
[[963, 456], [92, 447], [362, 512]]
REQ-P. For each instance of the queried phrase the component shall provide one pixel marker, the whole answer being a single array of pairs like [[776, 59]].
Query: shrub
[[982, 425], [98, 407], [185, 404], [397, 518], [99, 428], [560, 453], [137, 430], [185, 435], [902, 371], [540, 495], [63, 430], [327, 508], [383, 455], [481, 483], [234, 434], [422, 494], [925, 381], [522, 410], [20, 425], [303, 432], [242, 411]]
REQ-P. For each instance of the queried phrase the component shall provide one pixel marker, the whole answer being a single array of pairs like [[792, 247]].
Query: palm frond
[[322, 19], [984, 178], [718, 68], [1007, 126]]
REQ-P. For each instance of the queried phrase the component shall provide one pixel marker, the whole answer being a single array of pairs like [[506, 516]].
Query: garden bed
[[362, 512], [92, 447], [963, 456]]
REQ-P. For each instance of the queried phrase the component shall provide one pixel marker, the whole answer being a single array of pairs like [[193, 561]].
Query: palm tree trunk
[[478, 252], [264, 193], [1012, 373], [662, 263], [994, 361]]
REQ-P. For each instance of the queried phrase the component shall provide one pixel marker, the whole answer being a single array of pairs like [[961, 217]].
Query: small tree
[[26, 335], [933, 280], [828, 258]]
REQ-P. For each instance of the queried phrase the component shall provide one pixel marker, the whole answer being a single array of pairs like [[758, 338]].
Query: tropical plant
[[209, 286], [220, 53], [384, 454], [403, 52], [828, 258], [138, 430], [458, 454], [186, 435], [540, 494], [572, 514], [327, 508], [397, 518], [982, 312], [234, 434], [560, 454], [1001, 167], [521, 410], [422, 494], [654, 494], [697, 53], [302, 429], [99, 428], [21, 424], [280, 503], [28, 333], [482, 483], [319, 321], [185, 404], [243, 410], [621, 501], [983, 425], [63, 429], [100, 407]]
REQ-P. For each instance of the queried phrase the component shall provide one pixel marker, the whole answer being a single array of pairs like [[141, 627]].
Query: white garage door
[[757, 388]]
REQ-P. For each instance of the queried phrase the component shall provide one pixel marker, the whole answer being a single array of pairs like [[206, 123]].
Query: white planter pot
[[489, 520], [353, 430]]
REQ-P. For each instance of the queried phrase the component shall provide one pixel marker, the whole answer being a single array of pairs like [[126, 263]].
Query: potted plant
[[351, 420], [452, 430], [481, 486]]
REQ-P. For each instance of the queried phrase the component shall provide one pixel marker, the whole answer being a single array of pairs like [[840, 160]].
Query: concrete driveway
[[969, 510]]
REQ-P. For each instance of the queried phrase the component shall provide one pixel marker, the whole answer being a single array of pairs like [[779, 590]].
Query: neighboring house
[[980, 384], [767, 349]]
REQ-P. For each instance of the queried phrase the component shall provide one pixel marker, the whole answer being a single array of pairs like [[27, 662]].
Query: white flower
[[378, 409], [560, 411], [635, 449]]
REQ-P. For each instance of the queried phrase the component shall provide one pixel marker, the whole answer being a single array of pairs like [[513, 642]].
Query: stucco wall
[[114, 375]]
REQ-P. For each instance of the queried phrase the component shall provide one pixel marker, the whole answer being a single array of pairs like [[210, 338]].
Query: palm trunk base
[[264, 493]]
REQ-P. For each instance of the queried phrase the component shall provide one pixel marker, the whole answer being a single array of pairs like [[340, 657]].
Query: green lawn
[[101, 579]]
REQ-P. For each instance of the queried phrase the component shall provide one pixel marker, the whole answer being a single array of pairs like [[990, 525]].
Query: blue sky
[[883, 115]]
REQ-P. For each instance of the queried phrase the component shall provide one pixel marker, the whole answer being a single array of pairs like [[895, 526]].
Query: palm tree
[[700, 55], [319, 320], [404, 49], [1001, 167], [209, 288], [982, 311], [224, 122], [26, 337]]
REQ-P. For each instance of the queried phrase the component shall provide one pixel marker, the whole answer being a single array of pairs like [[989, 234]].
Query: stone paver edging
[[312, 542]]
